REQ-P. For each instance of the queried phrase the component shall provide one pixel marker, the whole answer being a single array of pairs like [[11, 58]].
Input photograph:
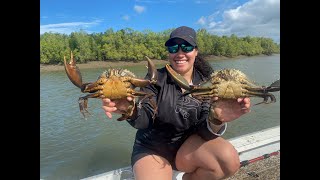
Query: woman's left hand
[[229, 110]]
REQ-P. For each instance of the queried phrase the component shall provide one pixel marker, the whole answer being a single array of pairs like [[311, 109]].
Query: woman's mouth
[[180, 62]]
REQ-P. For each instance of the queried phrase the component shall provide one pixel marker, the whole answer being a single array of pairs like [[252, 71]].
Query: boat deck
[[260, 150], [263, 169]]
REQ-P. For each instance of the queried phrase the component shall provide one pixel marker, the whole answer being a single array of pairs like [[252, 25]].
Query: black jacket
[[177, 117]]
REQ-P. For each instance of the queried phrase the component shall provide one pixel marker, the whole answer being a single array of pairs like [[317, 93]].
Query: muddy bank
[[98, 64], [106, 64]]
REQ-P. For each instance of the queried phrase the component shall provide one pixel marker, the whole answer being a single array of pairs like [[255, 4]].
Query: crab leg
[[91, 87], [265, 97], [73, 71], [145, 96], [83, 103], [152, 102], [209, 92], [275, 86]]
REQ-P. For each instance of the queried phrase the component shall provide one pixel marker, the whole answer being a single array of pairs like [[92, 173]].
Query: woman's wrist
[[215, 126], [215, 121], [217, 130]]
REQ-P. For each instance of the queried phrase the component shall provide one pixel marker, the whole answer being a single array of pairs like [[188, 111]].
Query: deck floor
[[266, 169]]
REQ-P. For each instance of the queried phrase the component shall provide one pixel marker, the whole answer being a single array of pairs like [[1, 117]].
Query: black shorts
[[166, 151], [148, 146]]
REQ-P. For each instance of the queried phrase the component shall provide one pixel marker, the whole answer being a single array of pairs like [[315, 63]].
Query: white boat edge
[[249, 146]]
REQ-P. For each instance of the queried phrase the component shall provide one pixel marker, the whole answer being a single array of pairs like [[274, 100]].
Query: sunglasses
[[184, 48]]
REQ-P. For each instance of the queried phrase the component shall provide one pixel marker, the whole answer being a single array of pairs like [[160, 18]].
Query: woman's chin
[[181, 70]]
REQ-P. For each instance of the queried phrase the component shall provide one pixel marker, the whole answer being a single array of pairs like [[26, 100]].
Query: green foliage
[[53, 47], [82, 45], [130, 45]]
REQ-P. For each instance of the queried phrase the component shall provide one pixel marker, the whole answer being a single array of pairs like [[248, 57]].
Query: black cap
[[186, 33]]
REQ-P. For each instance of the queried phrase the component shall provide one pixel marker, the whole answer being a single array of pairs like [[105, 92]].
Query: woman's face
[[182, 62]]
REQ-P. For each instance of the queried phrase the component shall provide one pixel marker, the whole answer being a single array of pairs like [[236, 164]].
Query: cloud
[[67, 28], [202, 21], [126, 17], [201, 2], [254, 18], [139, 9], [147, 1]]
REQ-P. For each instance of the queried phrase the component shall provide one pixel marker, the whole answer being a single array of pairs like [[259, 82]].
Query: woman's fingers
[[245, 104], [107, 102], [119, 106], [215, 98], [130, 98], [108, 106], [109, 114]]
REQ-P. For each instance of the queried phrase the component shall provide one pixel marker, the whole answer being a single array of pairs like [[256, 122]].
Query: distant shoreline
[[106, 64], [98, 64]]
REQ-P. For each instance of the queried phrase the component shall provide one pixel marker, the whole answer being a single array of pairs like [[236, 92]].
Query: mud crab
[[227, 84], [112, 84]]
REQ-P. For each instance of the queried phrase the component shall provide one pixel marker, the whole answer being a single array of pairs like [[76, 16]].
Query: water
[[74, 148]]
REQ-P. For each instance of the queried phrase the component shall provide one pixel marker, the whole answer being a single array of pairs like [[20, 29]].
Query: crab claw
[[266, 98], [275, 86], [73, 71], [152, 71], [181, 81]]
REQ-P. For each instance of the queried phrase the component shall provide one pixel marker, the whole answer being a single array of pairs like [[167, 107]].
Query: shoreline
[[98, 64], [101, 64]]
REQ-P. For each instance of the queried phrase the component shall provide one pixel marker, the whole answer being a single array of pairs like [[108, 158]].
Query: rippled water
[[74, 148]]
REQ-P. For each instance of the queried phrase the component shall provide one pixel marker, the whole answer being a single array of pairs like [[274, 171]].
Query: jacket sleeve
[[145, 113]]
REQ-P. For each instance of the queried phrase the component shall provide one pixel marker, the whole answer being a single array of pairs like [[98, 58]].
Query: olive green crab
[[227, 84], [112, 83]]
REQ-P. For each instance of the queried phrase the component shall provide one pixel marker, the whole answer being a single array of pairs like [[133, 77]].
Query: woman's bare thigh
[[152, 167], [198, 153]]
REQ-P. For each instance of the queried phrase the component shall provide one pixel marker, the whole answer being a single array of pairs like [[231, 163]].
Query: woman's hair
[[203, 66]]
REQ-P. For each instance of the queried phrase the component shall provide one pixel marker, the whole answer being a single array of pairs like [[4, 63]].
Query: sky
[[258, 18]]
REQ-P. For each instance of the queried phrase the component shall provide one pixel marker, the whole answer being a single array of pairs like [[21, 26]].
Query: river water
[[74, 148]]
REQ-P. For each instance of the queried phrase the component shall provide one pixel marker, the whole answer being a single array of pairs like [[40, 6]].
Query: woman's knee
[[229, 161], [228, 164], [225, 158], [217, 156], [186, 155]]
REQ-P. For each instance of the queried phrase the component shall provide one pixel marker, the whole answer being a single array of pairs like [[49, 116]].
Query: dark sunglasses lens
[[186, 48], [173, 49]]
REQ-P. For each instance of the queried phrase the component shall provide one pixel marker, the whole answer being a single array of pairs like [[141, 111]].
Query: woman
[[185, 134]]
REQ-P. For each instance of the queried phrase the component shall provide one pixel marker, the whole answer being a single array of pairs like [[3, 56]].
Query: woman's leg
[[152, 167], [200, 159]]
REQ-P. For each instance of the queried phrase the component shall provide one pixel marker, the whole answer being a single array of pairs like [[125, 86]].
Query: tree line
[[130, 45]]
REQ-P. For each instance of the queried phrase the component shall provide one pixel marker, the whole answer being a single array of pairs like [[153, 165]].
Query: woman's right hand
[[116, 106]]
